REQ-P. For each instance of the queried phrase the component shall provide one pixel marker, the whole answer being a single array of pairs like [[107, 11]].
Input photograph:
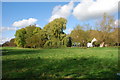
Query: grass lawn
[[60, 63]]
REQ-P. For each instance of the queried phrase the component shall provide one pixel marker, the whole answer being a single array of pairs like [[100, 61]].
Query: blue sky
[[42, 11], [15, 11]]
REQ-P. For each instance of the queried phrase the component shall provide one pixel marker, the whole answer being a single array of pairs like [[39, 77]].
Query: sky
[[16, 15]]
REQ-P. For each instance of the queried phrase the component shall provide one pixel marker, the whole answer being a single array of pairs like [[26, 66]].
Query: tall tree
[[20, 37], [105, 26], [56, 27], [79, 35], [27, 37], [32, 39], [54, 32]]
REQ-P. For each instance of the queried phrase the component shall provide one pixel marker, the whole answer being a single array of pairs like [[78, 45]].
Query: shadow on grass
[[20, 51], [38, 67]]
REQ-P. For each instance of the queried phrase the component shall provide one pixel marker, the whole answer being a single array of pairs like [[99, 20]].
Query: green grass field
[[60, 63]]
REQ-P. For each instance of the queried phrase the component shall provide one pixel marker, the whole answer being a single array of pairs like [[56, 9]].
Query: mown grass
[[60, 63]]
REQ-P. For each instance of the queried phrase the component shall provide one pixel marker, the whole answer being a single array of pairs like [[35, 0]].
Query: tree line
[[106, 32], [52, 35]]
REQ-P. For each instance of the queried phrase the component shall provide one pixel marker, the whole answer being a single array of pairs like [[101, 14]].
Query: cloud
[[25, 22], [61, 11], [90, 9], [8, 29]]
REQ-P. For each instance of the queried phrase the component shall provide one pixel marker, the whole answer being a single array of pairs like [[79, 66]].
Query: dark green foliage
[[31, 30], [69, 42], [20, 37], [56, 27], [28, 37], [48, 44], [54, 43], [36, 30], [51, 36], [37, 40], [54, 31]]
